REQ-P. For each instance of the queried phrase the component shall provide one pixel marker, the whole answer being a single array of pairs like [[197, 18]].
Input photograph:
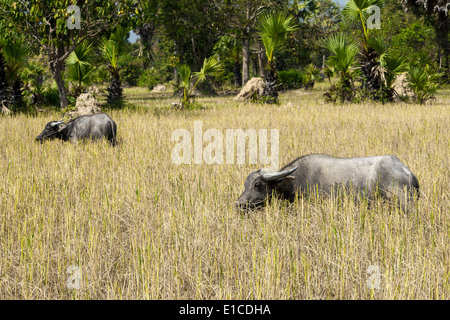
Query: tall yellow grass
[[140, 227]]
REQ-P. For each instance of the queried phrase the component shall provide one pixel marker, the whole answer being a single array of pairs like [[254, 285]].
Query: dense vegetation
[[44, 63]]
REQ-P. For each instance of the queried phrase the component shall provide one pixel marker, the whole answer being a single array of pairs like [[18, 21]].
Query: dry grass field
[[138, 226]]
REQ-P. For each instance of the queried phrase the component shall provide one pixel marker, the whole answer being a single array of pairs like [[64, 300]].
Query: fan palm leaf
[[79, 66], [273, 31], [210, 66], [114, 47], [14, 52], [344, 52], [357, 11], [393, 65]]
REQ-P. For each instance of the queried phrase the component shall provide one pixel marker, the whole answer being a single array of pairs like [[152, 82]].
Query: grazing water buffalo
[[92, 127], [385, 175]]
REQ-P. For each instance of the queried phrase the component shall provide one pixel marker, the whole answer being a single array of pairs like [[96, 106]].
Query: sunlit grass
[[141, 227]]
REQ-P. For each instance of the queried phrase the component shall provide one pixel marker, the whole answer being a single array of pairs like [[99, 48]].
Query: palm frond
[[79, 67], [274, 29], [114, 47], [344, 52], [393, 65], [357, 10], [14, 52], [210, 66]]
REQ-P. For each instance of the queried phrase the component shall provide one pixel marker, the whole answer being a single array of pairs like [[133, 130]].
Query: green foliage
[[149, 78], [329, 72], [407, 35], [311, 76], [228, 50], [14, 51], [210, 66], [393, 65], [79, 68], [423, 82], [291, 79], [342, 62], [317, 20], [194, 26], [131, 68], [113, 48], [273, 31], [342, 92], [357, 11], [50, 96], [228, 46], [44, 23], [344, 57]]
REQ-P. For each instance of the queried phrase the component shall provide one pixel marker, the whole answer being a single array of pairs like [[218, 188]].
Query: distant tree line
[[43, 61]]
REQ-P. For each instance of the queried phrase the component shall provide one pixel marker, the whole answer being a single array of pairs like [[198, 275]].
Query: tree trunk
[[237, 73], [322, 71], [196, 57], [175, 75], [261, 59], [56, 69], [270, 88], [16, 94], [115, 91], [245, 60]]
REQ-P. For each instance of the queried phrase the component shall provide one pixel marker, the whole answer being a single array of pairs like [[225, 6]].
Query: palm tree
[[15, 52], [311, 73], [79, 68], [342, 62], [392, 66], [210, 66], [112, 49], [384, 68], [356, 11], [230, 47], [273, 31]]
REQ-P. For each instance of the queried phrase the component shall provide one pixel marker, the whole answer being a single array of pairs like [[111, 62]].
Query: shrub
[[311, 75], [130, 72], [149, 78], [423, 82], [291, 79], [50, 96]]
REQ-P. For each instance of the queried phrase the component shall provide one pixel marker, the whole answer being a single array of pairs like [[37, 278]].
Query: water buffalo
[[385, 175], [92, 127]]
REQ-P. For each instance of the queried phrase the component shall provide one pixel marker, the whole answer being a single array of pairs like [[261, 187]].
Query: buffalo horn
[[274, 176], [56, 123]]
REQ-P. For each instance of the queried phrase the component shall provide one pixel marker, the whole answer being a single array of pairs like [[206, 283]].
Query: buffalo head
[[52, 130], [260, 185]]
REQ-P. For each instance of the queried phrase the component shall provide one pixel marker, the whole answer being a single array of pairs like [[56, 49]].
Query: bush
[[423, 82], [291, 79], [310, 76], [131, 69], [50, 96], [149, 78]]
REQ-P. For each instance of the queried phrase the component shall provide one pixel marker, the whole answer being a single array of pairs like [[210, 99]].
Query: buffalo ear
[[286, 179]]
